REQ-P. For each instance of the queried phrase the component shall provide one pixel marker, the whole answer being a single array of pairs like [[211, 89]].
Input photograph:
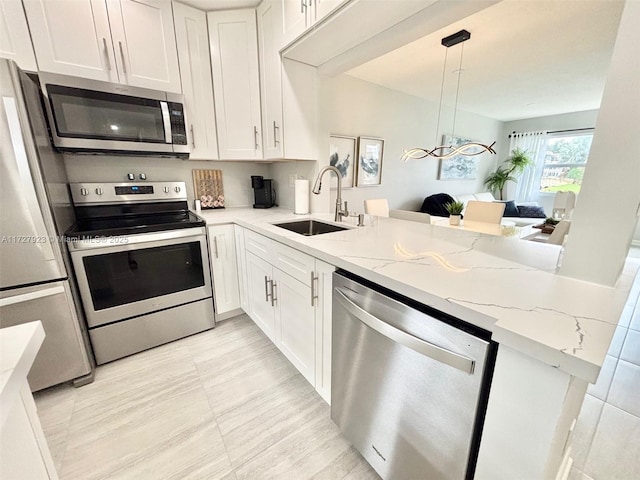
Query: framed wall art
[[369, 172], [459, 167], [342, 155]]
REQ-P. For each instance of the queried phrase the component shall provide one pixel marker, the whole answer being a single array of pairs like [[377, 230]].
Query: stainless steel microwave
[[90, 116]]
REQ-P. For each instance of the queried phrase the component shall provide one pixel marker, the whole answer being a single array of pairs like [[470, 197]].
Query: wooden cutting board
[[207, 185]]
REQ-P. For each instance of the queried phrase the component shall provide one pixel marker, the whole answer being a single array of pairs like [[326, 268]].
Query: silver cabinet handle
[[255, 137], [106, 53], [273, 293], [266, 288], [303, 5], [430, 350], [124, 63], [275, 135], [193, 137], [215, 246], [314, 293]]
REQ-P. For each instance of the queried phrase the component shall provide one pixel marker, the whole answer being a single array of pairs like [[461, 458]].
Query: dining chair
[[563, 204], [377, 206], [485, 212], [411, 216], [558, 234]]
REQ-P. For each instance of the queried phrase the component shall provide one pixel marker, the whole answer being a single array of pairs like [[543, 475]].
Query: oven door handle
[[123, 242]]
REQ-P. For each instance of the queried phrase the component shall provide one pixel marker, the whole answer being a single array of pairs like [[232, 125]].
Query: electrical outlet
[[292, 179]]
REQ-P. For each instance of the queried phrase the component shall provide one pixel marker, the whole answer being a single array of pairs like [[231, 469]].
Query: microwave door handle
[[427, 349], [166, 120]]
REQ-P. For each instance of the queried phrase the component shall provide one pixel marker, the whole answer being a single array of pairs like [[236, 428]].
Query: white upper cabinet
[[269, 39], [296, 17], [324, 8], [126, 41], [195, 72], [145, 43], [72, 38], [234, 58], [15, 41]]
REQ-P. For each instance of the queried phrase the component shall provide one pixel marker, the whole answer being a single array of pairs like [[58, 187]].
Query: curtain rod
[[561, 131]]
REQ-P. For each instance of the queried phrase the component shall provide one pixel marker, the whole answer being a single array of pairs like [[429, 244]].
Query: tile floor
[[224, 404], [606, 441]]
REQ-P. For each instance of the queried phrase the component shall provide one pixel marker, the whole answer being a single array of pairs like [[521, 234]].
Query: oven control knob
[[84, 192], [177, 189], [166, 189], [131, 176], [99, 191]]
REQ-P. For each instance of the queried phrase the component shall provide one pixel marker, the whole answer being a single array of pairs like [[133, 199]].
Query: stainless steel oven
[[142, 265], [129, 275]]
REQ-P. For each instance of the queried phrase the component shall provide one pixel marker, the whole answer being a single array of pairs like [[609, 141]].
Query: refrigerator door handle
[[427, 349], [27, 297]]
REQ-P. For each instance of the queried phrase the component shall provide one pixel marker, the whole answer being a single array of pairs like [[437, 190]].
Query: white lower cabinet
[[241, 260], [224, 268], [289, 297]]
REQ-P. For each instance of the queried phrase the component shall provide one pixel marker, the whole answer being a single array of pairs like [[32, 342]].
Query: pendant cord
[[455, 109], [444, 70]]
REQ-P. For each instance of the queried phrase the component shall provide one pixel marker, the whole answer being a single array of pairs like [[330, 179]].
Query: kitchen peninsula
[[553, 332]]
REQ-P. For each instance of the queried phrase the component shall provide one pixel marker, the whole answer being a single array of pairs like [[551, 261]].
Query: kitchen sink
[[310, 227]]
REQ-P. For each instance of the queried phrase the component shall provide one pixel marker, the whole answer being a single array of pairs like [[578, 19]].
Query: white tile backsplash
[[614, 452]]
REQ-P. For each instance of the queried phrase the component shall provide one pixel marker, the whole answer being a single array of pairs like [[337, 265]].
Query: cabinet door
[[15, 40], [224, 268], [299, 92], [295, 323], [72, 38], [145, 44], [261, 310], [195, 73], [269, 39], [322, 288], [296, 18], [241, 260], [234, 58]]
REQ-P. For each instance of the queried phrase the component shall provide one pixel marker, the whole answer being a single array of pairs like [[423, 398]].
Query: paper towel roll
[[301, 198]]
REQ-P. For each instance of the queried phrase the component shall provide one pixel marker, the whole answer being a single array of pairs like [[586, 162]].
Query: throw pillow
[[531, 211], [510, 208]]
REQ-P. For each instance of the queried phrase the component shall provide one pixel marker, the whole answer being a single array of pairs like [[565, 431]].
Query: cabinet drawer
[[293, 262], [258, 244]]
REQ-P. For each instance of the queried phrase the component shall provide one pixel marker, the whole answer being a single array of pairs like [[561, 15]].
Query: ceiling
[[209, 5], [525, 58]]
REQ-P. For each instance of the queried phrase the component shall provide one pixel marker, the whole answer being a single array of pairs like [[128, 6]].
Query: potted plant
[[508, 171], [455, 210]]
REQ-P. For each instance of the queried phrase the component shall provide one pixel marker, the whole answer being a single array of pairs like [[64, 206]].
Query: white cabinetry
[[15, 41], [234, 57], [241, 260], [127, 41], [269, 40], [299, 15], [195, 72], [224, 268], [289, 297]]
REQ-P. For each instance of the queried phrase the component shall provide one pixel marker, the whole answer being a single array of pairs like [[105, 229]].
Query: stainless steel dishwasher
[[409, 384]]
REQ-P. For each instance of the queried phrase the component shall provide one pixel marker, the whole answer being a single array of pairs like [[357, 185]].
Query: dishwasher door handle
[[430, 350]]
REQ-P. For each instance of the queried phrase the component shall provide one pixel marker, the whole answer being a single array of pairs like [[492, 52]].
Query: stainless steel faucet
[[318, 185]]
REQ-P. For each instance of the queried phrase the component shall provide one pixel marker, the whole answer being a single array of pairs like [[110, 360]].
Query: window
[[564, 159]]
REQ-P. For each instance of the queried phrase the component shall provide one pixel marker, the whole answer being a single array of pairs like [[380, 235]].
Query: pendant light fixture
[[446, 151]]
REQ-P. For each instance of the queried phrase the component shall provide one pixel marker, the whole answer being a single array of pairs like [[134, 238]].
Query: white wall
[[236, 176], [601, 231], [352, 107]]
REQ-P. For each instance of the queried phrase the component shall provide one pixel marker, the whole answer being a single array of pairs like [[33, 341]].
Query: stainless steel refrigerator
[[35, 209]]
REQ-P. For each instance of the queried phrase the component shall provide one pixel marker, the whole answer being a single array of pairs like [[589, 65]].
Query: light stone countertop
[[19, 346], [505, 285]]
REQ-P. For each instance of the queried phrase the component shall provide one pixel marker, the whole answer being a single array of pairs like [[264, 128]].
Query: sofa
[[522, 215]]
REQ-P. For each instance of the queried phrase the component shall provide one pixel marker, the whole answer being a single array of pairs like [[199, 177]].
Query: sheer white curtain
[[528, 185]]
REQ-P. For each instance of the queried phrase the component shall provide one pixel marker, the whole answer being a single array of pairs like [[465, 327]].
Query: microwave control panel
[[178, 123]]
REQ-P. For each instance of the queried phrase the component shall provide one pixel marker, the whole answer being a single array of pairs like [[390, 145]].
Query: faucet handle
[[345, 212]]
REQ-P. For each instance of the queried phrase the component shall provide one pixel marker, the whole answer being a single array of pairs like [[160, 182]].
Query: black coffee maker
[[263, 192]]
